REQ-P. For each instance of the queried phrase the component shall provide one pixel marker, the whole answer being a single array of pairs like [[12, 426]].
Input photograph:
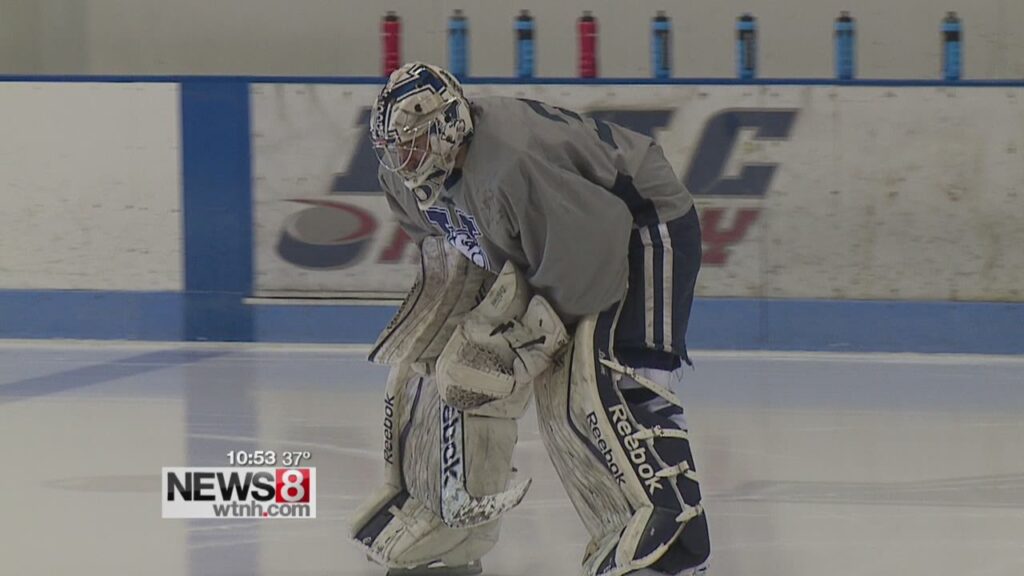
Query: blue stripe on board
[[379, 80], [91, 315], [858, 326], [320, 324], [217, 198], [726, 323]]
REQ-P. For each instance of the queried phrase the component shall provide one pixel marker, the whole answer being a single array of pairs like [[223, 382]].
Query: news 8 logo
[[239, 492]]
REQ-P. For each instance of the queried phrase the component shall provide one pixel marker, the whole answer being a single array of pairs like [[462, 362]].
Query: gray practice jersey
[[556, 193]]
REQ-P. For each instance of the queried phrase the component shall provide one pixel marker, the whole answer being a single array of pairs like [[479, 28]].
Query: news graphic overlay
[[256, 484]]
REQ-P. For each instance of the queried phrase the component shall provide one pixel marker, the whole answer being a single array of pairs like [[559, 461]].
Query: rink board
[[91, 187], [858, 192], [872, 216]]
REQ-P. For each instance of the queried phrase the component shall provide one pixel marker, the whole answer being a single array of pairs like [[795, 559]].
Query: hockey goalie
[[558, 257]]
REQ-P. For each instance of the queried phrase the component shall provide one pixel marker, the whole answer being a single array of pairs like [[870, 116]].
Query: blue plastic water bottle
[[661, 46], [746, 47], [845, 35], [458, 45], [952, 47], [524, 45]]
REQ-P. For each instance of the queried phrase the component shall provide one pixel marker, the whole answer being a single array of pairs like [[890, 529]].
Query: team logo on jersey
[[461, 231]]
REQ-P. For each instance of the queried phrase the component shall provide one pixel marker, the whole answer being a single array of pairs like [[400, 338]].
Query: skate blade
[[471, 569]]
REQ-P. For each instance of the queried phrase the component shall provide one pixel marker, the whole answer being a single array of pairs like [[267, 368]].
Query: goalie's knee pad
[[617, 444]]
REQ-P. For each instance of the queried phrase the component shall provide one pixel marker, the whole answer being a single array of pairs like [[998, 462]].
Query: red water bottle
[[588, 45], [391, 39]]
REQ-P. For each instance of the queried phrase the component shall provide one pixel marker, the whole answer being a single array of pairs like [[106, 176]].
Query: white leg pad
[[626, 466], [446, 474]]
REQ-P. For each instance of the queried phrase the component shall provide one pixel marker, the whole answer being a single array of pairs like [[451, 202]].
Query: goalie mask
[[418, 123]]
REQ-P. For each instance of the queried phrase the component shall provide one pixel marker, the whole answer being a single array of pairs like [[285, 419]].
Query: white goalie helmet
[[418, 123]]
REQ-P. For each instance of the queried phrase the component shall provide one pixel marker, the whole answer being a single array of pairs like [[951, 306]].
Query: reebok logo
[[389, 429], [636, 450], [602, 446], [451, 449]]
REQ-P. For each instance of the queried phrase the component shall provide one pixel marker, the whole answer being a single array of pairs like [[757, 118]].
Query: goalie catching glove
[[501, 346]]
